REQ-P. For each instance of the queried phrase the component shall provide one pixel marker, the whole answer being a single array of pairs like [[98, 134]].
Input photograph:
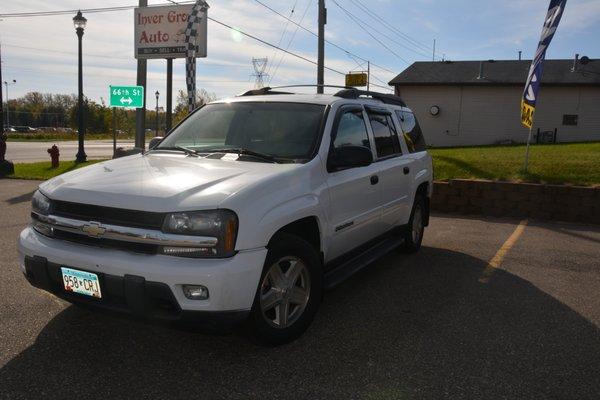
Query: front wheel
[[413, 234], [289, 291]]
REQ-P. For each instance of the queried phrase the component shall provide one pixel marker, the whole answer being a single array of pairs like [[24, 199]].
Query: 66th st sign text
[[126, 96]]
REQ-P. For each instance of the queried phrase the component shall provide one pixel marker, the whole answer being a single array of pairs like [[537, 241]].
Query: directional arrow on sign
[[126, 100]]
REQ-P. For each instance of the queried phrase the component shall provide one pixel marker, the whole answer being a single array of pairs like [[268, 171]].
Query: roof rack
[[345, 93], [261, 92], [353, 93], [270, 90]]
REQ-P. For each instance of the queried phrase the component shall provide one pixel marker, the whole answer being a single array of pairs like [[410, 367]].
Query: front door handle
[[406, 170], [374, 180]]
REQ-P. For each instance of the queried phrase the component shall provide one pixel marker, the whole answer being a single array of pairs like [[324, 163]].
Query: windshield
[[281, 130]]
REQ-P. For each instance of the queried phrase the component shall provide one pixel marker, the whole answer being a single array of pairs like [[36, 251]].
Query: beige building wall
[[473, 115]]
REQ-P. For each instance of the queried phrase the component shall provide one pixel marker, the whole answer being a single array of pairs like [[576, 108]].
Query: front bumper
[[145, 285]]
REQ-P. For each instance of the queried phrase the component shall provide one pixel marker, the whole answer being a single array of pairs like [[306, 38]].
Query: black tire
[[414, 231], [261, 326]]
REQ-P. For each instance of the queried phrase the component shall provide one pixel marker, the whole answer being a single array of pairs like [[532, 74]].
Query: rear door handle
[[406, 170], [374, 180]]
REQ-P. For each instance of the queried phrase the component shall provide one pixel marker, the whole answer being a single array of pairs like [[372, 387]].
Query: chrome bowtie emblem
[[94, 229]]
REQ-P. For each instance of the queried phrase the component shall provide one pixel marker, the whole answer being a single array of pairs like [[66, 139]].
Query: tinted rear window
[[412, 132]]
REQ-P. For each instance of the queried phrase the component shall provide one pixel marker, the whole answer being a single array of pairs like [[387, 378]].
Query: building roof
[[500, 73]]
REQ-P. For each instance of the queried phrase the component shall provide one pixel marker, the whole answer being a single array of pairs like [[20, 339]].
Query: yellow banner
[[527, 113]]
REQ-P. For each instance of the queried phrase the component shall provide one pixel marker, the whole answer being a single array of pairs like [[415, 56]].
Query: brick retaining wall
[[545, 202]]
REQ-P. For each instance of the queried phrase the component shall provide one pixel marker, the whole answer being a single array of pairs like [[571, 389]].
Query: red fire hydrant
[[54, 154]]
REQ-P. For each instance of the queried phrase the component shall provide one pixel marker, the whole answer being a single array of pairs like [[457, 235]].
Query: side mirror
[[350, 157], [154, 142]]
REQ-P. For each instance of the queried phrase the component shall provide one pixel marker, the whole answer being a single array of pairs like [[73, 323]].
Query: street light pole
[[157, 95], [79, 21], [13, 82]]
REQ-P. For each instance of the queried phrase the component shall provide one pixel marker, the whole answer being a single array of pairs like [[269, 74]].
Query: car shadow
[[414, 326], [24, 198]]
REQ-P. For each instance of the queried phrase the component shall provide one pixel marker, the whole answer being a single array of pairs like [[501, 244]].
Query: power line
[[47, 13], [83, 10], [272, 45], [290, 41], [208, 63], [357, 21], [391, 27], [283, 33], [326, 41]]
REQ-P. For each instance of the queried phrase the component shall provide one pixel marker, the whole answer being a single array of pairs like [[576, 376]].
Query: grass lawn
[[574, 163], [43, 170], [577, 164]]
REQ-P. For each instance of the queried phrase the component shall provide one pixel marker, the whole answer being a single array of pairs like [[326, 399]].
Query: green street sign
[[127, 96]]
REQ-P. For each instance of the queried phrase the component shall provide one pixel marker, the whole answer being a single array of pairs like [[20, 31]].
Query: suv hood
[[160, 182]]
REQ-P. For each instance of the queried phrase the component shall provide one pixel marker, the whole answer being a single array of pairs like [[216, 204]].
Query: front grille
[[109, 215], [106, 243]]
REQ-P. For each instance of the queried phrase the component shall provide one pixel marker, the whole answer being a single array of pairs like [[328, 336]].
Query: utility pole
[[321, 56], [434, 41], [368, 75], [140, 113], [169, 117]]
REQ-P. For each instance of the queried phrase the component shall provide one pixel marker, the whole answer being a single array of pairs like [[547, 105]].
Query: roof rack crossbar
[[270, 90], [345, 93], [354, 93]]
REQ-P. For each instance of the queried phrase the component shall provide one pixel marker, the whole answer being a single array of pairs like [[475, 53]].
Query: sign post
[[124, 97]]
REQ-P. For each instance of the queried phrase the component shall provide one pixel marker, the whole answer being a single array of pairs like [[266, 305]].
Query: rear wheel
[[413, 234], [289, 291]]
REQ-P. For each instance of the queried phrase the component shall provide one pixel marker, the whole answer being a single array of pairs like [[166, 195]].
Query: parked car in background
[[244, 213], [24, 129]]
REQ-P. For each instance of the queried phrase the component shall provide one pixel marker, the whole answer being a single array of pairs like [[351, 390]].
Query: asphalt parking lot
[[443, 323]]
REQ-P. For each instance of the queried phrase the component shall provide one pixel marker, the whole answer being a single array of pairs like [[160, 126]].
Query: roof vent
[[575, 62], [480, 70]]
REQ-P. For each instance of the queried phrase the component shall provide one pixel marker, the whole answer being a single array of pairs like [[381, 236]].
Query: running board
[[362, 260]]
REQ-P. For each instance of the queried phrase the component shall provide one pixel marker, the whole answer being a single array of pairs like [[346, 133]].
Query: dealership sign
[[160, 32]]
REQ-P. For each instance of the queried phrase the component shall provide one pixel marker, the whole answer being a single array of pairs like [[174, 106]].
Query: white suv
[[246, 212]]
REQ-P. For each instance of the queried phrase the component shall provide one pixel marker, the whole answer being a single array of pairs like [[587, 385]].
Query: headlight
[[220, 224], [41, 204]]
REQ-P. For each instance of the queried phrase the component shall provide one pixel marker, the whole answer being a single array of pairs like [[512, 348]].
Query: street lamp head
[[157, 94], [79, 20]]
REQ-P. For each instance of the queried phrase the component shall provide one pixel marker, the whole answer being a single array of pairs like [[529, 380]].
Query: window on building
[[570, 119], [384, 133], [412, 132]]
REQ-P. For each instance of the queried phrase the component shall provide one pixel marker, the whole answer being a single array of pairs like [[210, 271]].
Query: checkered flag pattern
[[191, 32]]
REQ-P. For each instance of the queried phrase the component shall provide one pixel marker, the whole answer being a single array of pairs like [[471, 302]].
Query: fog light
[[195, 292]]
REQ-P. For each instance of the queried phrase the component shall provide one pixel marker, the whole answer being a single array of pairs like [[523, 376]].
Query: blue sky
[[40, 52]]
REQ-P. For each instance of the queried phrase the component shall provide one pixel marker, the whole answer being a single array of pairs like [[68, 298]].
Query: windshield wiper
[[186, 150], [242, 151]]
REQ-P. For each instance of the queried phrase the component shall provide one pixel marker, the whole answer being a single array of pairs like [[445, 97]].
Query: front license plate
[[81, 282]]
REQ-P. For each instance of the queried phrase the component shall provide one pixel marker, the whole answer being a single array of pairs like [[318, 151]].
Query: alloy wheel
[[284, 292]]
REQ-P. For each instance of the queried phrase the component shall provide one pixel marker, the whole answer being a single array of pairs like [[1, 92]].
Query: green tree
[[181, 109]]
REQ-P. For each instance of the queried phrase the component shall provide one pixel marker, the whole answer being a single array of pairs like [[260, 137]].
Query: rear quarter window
[[412, 131]]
